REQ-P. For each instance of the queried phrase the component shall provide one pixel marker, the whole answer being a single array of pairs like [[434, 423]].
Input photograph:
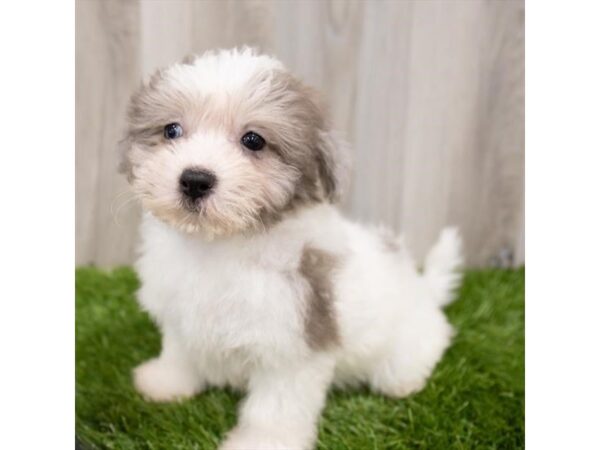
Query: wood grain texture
[[107, 71], [430, 94]]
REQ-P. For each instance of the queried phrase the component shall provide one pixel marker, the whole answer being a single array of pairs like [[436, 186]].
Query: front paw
[[262, 439], [161, 381]]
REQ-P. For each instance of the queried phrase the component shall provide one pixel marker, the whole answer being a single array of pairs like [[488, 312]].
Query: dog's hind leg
[[416, 348]]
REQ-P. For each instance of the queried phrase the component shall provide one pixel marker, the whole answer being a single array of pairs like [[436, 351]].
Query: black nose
[[196, 183]]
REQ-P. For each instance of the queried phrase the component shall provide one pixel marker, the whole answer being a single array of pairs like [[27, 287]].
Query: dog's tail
[[442, 264]]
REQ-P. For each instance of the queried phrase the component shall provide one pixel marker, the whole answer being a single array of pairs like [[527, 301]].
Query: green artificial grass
[[474, 400]]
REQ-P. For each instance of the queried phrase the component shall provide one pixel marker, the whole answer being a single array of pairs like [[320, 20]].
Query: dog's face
[[229, 142]]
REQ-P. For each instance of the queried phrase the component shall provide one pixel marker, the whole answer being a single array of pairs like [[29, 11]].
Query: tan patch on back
[[317, 267]]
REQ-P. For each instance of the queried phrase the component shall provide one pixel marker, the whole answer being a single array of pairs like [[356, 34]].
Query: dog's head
[[229, 142]]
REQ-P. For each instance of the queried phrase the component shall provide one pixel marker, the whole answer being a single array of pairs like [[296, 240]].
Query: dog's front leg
[[283, 406], [171, 376]]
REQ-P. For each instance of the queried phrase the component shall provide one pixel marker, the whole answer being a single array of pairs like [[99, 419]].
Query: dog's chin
[[200, 222]]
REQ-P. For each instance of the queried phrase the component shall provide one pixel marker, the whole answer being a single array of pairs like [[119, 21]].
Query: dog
[[253, 277]]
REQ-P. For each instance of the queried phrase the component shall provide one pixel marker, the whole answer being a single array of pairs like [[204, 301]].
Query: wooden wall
[[429, 93]]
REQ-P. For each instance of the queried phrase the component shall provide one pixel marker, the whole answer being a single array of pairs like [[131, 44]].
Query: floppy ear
[[333, 159]]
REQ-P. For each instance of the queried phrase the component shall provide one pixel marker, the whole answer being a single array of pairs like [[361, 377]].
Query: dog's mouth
[[192, 205]]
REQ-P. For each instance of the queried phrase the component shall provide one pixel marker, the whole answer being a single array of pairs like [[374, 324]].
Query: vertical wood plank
[[87, 122], [231, 23], [166, 32], [430, 95], [107, 70], [464, 141], [444, 71], [380, 116]]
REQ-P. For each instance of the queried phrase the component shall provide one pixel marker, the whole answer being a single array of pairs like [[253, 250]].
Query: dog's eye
[[173, 131], [253, 141]]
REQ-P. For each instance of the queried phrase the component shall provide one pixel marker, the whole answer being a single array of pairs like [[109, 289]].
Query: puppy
[[254, 278]]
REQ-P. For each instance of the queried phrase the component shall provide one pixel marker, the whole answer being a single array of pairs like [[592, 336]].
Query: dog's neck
[[291, 230]]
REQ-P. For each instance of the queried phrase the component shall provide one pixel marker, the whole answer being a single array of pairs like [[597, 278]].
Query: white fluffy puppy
[[254, 278]]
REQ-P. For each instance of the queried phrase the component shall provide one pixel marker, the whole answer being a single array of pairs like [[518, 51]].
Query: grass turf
[[474, 400]]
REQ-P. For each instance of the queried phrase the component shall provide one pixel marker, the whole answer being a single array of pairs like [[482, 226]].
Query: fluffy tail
[[442, 264]]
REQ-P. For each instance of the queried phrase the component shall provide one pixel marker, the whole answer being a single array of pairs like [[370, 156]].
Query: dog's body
[[274, 293]]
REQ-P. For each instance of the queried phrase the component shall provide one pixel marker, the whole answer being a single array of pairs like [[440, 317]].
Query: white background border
[[562, 212], [37, 225], [563, 225]]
